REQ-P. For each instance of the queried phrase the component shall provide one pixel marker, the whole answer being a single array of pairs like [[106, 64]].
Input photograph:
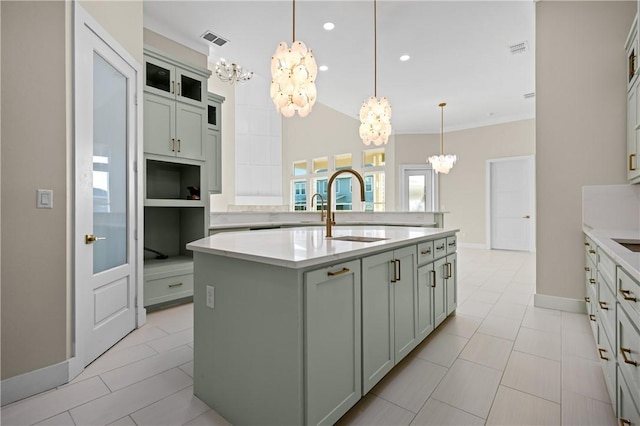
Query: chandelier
[[293, 75], [375, 114], [231, 73], [442, 163]]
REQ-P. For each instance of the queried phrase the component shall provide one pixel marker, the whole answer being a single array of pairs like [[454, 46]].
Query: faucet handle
[[333, 218]]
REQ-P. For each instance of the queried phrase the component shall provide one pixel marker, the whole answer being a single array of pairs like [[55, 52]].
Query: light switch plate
[[210, 297], [44, 199]]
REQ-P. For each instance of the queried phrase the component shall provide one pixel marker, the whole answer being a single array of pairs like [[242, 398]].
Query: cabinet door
[[426, 283], [633, 138], [190, 127], [160, 77], [190, 87], [213, 156], [439, 293], [451, 282], [377, 319], [159, 125], [333, 345], [405, 302]]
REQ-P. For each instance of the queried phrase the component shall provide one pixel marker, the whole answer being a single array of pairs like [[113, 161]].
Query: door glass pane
[[109, 166], [158, 77], [417, 193], [190, 88]]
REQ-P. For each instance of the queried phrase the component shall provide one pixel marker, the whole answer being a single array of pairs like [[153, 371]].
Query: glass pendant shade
[[375, 121], [442, 163], [293, 75]]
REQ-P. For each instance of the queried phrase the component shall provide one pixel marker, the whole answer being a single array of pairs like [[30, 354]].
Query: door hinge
[[135, 99], [135, 235], [135, 166]]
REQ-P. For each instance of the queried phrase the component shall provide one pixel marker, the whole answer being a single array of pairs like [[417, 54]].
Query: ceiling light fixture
[[329, 26], [375, 115], [405, 58], [293, 75], [232, 73], [323, 68], [442, 163]]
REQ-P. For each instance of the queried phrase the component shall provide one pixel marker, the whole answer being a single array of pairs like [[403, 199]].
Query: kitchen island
[[293, 328]]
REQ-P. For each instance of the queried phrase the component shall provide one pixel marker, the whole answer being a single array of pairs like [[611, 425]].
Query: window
[[374, 197], [373, 158], [343, 193], [342, 162], [320, 165], [300, 195], [300, 168]]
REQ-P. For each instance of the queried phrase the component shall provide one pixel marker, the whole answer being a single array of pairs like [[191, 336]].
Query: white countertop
[[307, 246], [314, 223], [624, 257]]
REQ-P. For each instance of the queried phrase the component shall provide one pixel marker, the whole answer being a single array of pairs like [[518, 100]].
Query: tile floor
[[499, 361]]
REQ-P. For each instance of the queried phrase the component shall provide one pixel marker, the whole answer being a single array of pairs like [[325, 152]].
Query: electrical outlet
[[210, 296]]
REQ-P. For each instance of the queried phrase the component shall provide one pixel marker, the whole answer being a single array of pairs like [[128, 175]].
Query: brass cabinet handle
[[175, 285], [399, 270], [526, 217], [625, 295], [179, 145], [587, 269], [395, 271], [440, 247], [452, 243], [592, 280], [433, 278], [592, 317], [428, 251], [592, 251], [449, 273], [173, 145], [603, 305], [587, 299], [631, 167], [342, 271], [624, 422], [624, 352], [173, 87], [586, 244], [600, 351], [179, 94]]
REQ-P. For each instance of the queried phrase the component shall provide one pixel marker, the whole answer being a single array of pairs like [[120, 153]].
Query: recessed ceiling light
[[323, 67], [328, 26], [404, 58]]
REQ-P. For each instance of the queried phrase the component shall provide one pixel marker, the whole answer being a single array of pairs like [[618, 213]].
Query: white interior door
[[105, 207], [417, 189], [511, 203]]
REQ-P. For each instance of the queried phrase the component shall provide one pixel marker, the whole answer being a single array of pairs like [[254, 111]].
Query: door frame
[[82, 20], [532, 197], [435, 185]]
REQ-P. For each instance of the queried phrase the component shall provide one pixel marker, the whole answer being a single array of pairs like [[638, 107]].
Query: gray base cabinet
[[389, 305]]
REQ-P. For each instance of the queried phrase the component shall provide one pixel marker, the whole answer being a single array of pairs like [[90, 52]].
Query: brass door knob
[[526, 217], [90, 238]]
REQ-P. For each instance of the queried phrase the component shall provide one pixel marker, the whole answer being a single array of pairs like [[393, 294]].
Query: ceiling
[[460, 52]]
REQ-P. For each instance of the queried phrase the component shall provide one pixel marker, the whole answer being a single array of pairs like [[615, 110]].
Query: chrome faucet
[[317, 194], [330, 220]]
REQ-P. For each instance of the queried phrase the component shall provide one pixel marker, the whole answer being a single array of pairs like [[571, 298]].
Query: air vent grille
[[214, 38], [530, 95], [518, 48]]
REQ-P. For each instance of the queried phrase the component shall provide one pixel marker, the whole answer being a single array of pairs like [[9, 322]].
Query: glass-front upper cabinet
[[164, 78]]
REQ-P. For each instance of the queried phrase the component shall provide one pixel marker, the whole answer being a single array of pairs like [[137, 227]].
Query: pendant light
[[375, 115], [293, 75], [442, 163]]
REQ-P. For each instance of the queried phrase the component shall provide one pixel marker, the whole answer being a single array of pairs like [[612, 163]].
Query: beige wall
[[463, 190], [177, 50], [580, 126], [36, 153], [312, 137]]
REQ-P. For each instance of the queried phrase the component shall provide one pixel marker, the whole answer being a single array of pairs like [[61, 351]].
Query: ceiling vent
[[530, 95], [518, 48], [214, 38]]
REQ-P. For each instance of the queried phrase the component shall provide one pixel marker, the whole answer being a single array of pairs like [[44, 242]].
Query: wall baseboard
[[559, 303], [28, 384], [472, 245]]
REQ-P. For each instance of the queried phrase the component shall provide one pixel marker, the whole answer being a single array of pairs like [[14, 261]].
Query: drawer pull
[[586, 244], [625, 295], [175, 285], [452, 243], [425, 252], [433, 278], [592, 251], [592, 317], [592, 280], [587, 299], [624, 422], [600, 351], [587, 269], [342, 271], [631, 167], [440, 248], [624, 352], [603, 305]]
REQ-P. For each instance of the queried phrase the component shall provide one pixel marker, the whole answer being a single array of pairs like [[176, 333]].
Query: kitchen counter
[[624, 257], [303, 247]]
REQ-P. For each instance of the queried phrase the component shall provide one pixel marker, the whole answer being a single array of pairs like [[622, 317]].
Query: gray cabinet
[[333, 345], [213, 143], [451, 282], [173, 128], [426, 294], [440, 292], [633, 112], [172, 79], [389, 312]]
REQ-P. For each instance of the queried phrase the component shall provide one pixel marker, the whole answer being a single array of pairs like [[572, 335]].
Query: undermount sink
[[633, 245], [359, 239]]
